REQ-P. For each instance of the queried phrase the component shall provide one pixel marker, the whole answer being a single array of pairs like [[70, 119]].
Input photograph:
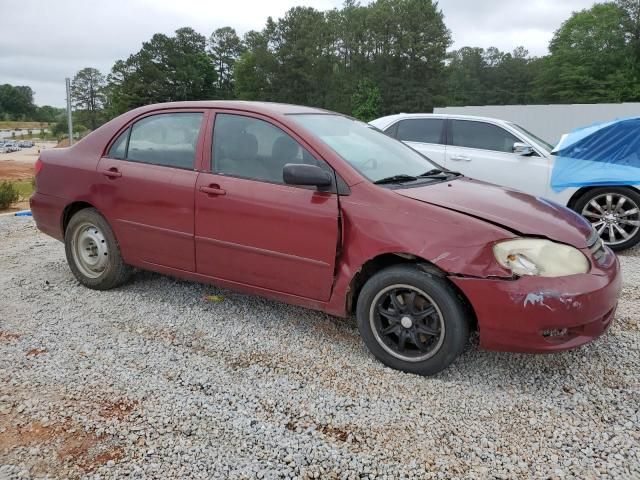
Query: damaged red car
[[320, 210]]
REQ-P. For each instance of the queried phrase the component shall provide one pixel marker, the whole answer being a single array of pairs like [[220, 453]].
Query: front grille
[[596, 247]]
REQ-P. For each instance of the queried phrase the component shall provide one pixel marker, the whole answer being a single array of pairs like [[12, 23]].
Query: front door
[[147, 182], [253, 229], [484, 151]]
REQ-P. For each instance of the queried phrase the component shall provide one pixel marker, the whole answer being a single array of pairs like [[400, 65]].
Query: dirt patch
[[331, 431], [34, 352], [13, 170], [248, 359], [63, 450], [336, 331], [8, 336], [119, 409]]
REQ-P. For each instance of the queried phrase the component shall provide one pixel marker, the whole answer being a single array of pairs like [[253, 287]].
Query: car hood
[[516, 211]]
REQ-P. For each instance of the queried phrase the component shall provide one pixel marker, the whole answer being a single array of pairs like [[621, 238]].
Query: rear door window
[[424, 130], [481, 135], [167, 139]]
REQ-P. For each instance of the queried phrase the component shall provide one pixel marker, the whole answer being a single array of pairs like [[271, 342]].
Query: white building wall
[[549, 122]]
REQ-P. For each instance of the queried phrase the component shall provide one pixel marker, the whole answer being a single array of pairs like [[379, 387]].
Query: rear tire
[[615, 214], [92, 251], [412, 320]]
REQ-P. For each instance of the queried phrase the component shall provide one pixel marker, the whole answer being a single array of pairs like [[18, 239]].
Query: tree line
[[369, 60]]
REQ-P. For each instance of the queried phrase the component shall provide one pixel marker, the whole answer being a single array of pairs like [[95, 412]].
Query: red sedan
[[320, 210]]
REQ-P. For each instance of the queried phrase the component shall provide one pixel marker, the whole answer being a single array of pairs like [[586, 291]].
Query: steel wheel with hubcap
[[92, 251], [614, 212], [412, 320]]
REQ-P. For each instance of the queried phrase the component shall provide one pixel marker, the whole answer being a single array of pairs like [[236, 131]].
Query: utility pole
[[69, 122]]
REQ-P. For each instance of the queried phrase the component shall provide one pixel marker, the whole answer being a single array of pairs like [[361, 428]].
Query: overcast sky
[[43, 41]]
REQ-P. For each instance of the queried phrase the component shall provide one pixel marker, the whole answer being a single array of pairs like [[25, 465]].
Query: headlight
[[540, 257]]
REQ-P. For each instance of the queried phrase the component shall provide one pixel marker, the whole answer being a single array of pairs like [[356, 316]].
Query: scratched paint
[[440, 257], [543, 296], [536, 299]]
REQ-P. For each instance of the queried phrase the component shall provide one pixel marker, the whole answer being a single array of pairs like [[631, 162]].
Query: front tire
[[92, 251], [614, 212], [412, 320]]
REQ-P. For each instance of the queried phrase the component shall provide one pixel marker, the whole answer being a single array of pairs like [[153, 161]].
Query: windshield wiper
[[396, 179], [434, 173], [437, 173]]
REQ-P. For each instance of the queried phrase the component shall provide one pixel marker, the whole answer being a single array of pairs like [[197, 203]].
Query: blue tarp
[[603, 154]]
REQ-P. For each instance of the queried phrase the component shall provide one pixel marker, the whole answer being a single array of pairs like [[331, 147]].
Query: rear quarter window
[[118, 149]]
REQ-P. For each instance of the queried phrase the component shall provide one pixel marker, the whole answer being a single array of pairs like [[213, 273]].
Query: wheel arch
[[70, 210], [582, 190], [385, 260]]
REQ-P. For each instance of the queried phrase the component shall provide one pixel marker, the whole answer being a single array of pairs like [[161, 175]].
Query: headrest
[[284, 148]]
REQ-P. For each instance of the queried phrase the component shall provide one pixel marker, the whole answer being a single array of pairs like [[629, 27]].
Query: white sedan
[[504, 153]]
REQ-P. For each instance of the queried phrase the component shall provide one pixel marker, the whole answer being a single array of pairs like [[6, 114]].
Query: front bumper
[[537, 315]]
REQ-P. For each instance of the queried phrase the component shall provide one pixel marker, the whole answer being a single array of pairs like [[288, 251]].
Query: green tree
[[87, 95], [165, 69], [61, 127], [366, 101], [47, 113], [225, 47], [490, 77], [631, 25], [319, 58], [589, 59], [466, 77], [16, 102]]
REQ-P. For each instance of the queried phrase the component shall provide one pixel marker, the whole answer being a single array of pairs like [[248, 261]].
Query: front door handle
[[213, 190], [112, 173], [461, 158]]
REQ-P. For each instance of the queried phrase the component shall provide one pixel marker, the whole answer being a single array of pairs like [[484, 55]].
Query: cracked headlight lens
[[540, 257]]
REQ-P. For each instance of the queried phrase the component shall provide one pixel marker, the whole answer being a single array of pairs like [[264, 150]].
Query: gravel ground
[[154, 380]]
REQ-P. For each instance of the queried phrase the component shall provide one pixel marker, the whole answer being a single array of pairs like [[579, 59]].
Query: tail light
[[38, 166]]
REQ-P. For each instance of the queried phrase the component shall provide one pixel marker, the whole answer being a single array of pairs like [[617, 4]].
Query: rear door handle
[[112, 173], [461, 158], [213, 190]]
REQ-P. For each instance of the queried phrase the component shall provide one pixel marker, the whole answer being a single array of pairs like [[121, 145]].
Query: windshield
[[546, 145], [365, 148]]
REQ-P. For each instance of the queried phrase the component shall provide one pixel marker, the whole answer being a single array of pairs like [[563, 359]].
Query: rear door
[[253, 229], [147, 187], [426, 135], [484, 151]]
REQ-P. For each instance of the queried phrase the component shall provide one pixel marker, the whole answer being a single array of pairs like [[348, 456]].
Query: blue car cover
[[602, 154]]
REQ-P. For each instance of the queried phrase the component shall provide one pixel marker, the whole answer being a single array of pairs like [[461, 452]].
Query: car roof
[[267, 108], [399, 116]]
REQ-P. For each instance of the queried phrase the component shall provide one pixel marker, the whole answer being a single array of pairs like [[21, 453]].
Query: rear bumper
[[47, 213], [538, 315]]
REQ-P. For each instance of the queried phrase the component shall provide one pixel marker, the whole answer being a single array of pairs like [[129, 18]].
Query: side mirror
[[302, 174], [523, 149]]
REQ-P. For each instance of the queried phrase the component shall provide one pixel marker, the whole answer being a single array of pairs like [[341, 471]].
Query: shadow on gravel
[[331, 335]]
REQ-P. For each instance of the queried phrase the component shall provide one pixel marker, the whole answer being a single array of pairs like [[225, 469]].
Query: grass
[[7, 125], [25, 188]]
